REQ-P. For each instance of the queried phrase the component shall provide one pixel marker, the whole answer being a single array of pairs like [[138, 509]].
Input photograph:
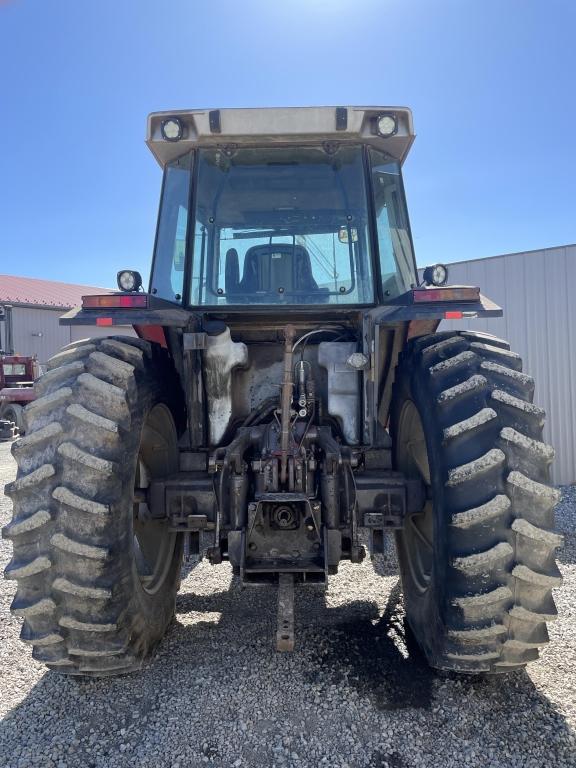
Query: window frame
[[351, 263]]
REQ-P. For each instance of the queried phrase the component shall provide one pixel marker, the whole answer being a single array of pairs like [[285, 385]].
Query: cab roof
[[279, 125]]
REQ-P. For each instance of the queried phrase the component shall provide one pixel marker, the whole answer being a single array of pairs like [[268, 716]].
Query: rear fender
[[149, 322]]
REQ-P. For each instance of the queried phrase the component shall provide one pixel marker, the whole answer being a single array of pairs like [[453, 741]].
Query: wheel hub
[[158, 456], [417, 535]]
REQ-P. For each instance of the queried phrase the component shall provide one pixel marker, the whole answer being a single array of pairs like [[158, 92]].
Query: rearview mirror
[[343, 234]]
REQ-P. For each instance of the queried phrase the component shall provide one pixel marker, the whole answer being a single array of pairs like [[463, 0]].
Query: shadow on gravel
[[376, 655], [381, 759], [350, 644]]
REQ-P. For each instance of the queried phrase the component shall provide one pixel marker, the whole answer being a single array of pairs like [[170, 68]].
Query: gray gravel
[[355, 692]]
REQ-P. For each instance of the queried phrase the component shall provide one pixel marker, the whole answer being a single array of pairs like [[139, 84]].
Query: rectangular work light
[[453, 293], [115, 301]]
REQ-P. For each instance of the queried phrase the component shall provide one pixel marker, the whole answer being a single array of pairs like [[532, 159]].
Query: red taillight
[[115, 300], [103, 321], [454, 293], [453, 315]]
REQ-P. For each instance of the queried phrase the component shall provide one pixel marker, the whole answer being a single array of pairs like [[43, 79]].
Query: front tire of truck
[[477, 562], [14, 413], [97, 578]]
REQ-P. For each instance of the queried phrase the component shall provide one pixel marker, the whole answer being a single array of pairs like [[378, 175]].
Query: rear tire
[[477, 562], [96, 586]]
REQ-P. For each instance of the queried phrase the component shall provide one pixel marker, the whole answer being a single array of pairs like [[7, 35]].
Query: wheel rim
[[154, 544], [417, 534], [10, 414]]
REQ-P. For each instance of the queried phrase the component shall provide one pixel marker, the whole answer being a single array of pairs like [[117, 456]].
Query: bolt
[[252, 546]]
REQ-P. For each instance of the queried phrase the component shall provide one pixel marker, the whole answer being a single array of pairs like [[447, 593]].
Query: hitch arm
[[285, 632]]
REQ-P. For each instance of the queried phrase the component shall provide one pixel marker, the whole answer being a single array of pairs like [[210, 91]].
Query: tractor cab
[[300, 219]]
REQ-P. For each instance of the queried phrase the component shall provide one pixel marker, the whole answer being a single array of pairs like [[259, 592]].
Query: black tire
[[88, 603], [478, 562], [14, 413]]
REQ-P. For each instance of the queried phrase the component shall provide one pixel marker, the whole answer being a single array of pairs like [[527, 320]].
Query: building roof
[[31, 291]]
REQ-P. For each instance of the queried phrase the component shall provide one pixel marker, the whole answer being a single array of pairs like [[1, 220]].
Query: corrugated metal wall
[[37, 332], [536, 290]]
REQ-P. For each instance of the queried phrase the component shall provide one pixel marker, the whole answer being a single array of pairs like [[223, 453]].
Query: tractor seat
[[268, 268]]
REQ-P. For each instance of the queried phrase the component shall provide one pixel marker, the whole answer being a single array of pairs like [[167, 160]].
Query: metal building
[[31, 308], [536, 291]]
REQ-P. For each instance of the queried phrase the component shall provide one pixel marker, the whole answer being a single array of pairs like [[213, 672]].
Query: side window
[[170, 253], [396, 257]]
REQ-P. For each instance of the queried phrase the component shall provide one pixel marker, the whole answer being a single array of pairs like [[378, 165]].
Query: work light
[[387, 125], [436, 275], [129, 280], [172, 129]]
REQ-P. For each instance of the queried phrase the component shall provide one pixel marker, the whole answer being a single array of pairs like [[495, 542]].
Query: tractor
[[288, 402]]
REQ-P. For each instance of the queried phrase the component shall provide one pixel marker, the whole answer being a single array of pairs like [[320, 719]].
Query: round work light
[[387, 125], [129, 280], [436, 275], [172, 129]]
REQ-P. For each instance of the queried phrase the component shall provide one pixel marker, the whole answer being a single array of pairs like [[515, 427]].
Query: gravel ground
[[354, 693]]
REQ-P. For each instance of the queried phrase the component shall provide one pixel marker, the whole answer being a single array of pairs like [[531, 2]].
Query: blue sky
[[491, 84]]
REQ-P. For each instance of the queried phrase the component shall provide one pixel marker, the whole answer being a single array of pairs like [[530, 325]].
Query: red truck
[[17, 375]]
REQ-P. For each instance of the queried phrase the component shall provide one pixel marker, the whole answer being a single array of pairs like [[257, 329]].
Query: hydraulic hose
[[287, 397]]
